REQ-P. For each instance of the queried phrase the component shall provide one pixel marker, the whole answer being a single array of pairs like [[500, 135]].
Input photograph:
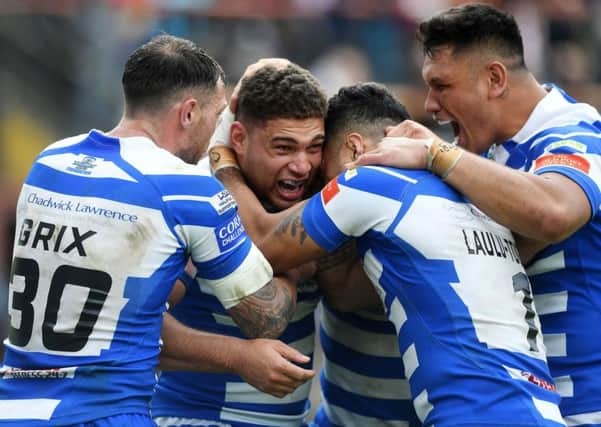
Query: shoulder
[[392, 183]]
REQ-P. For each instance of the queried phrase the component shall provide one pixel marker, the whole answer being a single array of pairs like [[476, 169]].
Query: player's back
[[227, 398], [95, 256], [453, 285]]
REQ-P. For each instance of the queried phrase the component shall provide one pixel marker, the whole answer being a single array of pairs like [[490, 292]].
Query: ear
[[497, 79], [238, 135], [355, 143], [188, 112]]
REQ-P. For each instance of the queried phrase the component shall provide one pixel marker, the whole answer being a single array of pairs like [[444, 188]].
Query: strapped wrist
[[221, 157], [442, 157]]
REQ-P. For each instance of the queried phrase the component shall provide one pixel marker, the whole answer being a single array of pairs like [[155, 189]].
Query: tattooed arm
[[344, 284], [266, 313], [281, 236]]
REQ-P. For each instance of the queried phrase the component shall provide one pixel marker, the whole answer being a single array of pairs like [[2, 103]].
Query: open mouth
[[454, 126], [456, 131], [291, 190]]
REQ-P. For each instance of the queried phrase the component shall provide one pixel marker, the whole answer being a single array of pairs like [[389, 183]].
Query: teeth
[[291, 185], [444, 122]]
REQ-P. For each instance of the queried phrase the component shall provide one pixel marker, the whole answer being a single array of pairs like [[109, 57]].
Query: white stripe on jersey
[[556, 344], [238, 415], [397, 314], [27, 409], [230, 290], [356, 339], [304, 308], [363, 213], [565, 386], [393, 173], [239, 392], [422, 405], [548, 410], [343, 417], [410, 361], [223, 319], [364, 385], [304, 345], [553, 262], [554, 302], [564, 136], [593, 418], [178, 422], [65, 163]]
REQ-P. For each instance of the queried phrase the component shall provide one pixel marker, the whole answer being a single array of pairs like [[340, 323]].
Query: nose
[[300, 165], [431, 104]]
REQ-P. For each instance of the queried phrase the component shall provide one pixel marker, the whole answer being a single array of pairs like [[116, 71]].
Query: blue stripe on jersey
[[364, 323], [566, 277], [221, 265], [360, 363], [382, 409]]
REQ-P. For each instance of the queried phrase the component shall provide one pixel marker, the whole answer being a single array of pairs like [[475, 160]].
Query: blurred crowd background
[[61, 60]]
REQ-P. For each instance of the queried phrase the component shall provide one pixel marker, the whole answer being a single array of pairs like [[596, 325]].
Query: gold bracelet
[[221, 157]]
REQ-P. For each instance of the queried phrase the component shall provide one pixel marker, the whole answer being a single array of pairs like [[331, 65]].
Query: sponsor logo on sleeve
[[223, 201], [570, 160], [230, 234], [329, 191]]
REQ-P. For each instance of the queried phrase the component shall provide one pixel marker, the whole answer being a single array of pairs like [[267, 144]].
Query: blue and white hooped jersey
[[562, 136], [226, 399], [362, 381], [452, 283], [104, 228]]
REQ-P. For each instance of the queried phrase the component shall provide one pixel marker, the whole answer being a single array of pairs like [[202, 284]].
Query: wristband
[[221, 157], [442, 157]]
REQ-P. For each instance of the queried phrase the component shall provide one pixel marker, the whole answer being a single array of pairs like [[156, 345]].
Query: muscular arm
[[280, 236], [343, 282], [547, 207], [265, 314]]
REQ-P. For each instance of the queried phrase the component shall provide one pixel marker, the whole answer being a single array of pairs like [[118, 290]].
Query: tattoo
[[266, 313], [341, 256], [293, 224]]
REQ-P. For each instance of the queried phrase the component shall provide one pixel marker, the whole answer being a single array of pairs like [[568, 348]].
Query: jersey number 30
[[98, 283]]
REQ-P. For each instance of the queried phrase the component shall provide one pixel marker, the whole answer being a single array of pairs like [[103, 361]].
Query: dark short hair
[[285, 93], [159, 69], [366, 108], [474, 25]]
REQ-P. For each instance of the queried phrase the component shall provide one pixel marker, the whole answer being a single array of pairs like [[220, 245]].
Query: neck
[[129, 127], [523, 98]]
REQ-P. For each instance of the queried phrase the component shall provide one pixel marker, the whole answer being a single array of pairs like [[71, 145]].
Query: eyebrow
[[318, 138]]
